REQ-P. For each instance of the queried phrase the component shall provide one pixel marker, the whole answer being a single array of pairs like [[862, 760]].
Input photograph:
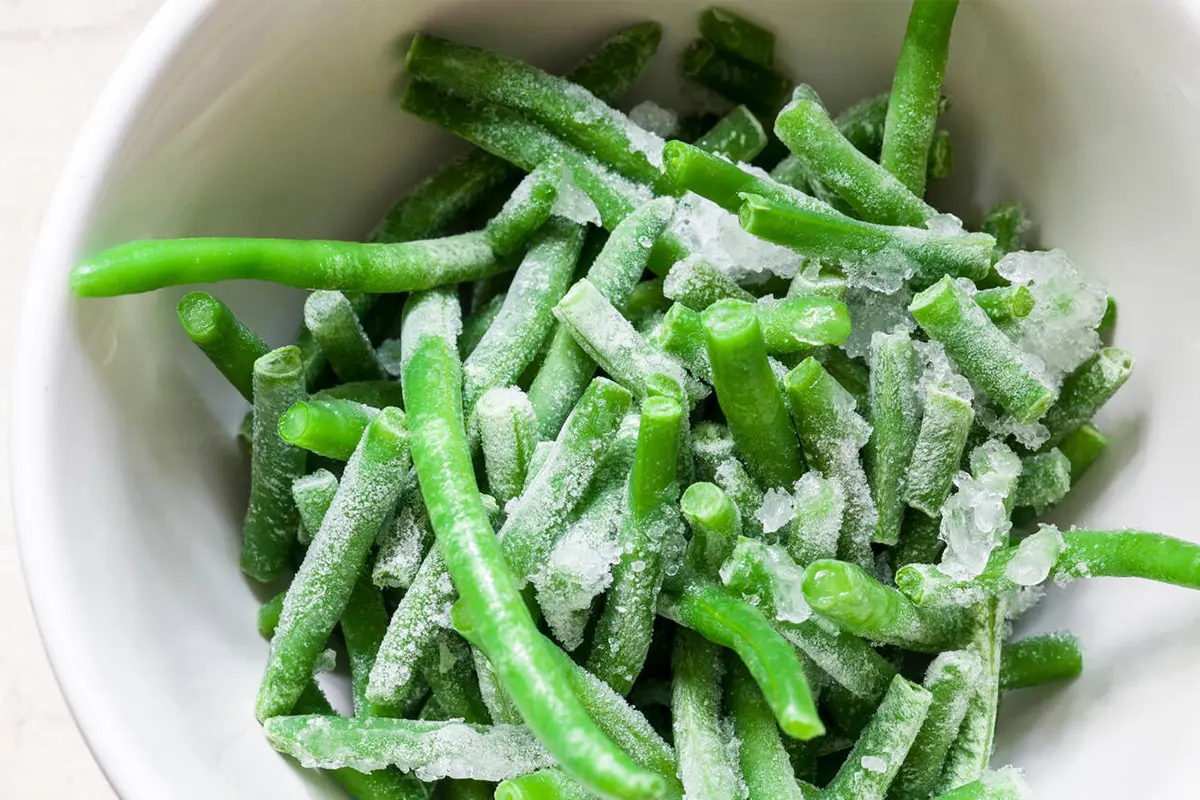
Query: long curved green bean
[[513, 339], [229, 344], [765, 765], [269, 529], [917, 91], [524, 660], [623, 632], [334, 560], [749, 393]]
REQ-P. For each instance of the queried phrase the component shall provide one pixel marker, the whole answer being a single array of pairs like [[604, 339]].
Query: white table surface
[[55, 57]]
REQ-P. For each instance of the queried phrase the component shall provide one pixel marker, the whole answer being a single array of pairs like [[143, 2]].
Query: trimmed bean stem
[[330, 428], [229, 344]]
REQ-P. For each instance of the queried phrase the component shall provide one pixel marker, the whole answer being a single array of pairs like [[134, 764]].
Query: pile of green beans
[[631, 522]]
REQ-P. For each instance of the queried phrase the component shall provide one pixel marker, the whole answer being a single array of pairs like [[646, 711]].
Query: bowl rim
[[43, 327]]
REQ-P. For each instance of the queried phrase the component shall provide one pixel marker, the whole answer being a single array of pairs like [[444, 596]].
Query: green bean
[[1108, 323], [919, 540], [765, 765], [336, 330], [805, 127], [546, 784], [715, 614], [476, 324], [1045, 480], [749, 394], [567, 368], [984, 354], [526, 210], [330, 428], [871, 253], [831, 434], [322, 587], [968, 756], [680, 334], [916, 92], [1004, 304], [1085, 390], [1006, 783], [364, 622], [759, 574], [659, 385], [945, 423], [795, 172], [859, 604], [715, 524], [717, 458], [623, 632], [564, 108], [821, 284], [894, 412], [269, 529], [512, 341], [880, 750], [450, 671], [1082, 447], [230, 345], [268, 615], [380, 784], [796, 324], [738, 35], [863, 123], [697, 285], [525, 661], [1007, 222], [950, 680], [820, 509], [1040, 659], [349, 266], [404, 543], [940, 162], [761, 89], [613, 66], [609, 338], [646, 301], [508, 434], [560, 483], [738, 136], [313, 495], [707, 766], [379, 394]]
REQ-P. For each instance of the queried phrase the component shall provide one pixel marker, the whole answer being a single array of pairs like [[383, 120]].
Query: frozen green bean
[[894, 412], [1040, 659], [508, 433], [707, 767], [761, 89], [937, 452], [738, 136], [331, 320], [1004, 304], [697, 285], [1045, 479], [1082, 447], [736, 34], [1085, 390], [330, 428], [229, 344], [526, 210], [313, 494], [1007, 222]]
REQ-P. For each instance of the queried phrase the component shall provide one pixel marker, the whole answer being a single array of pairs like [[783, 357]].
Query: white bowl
[[275, 119]]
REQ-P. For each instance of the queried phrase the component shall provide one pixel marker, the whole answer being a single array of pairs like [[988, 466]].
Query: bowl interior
[[270, 119]]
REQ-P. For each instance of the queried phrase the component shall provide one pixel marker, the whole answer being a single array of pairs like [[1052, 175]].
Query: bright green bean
[[805, 127], [766, 768], [624, 630], [1085, 390], [937, 452], [525, 661], [1108, 323], [871, 252], [880, 750], [749, 394], [322, 587], [1007, 783], [738, 136], [567, 369], [859, 604], [823, 284], [1082, 447], [708, 769], [916, 92], [736, 34], [379, 394], [715, 523], [330, 428], [982, 352], [313, 495], [513, 339], [697, 285], [1040, 659], [526, 210], [546, 784], [894, 411], [723, 619], [950, 680], [681, 334], [968, 756], [268, 615], [269, 529], [832, 433], [761, 89], [508, 434], [331, 320], [1004, 304], [1045, 479], [230, 345]]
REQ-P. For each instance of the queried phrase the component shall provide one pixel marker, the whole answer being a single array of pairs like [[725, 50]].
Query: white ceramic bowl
[[274, 119]]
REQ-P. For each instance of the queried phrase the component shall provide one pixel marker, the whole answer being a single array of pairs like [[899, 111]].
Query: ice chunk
[[939, 373], [874, 764], [975, 517], [652, 117], [819, 503], [1035, 557], [872, 312], [786, 581], [1030, 435], [1068, 305], [404, 543], [945, 225], [573, 204], [777, 509], [710, 233]]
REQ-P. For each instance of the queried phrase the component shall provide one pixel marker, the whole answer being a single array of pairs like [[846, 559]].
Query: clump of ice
[[944, 225], [1068, 305], [777, 510], [786, 581], [711, 233], [820, 503], [573, 203], [1031, 434], [652, 117], [975, 517], [874, 764], [939, 373], [326, 662], [873, 312], [1035, 557]]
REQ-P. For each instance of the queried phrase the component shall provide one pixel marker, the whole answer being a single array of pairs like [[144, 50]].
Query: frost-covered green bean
[[894, 412], [330, 428], [508, 434], [708, 766], [313, 494], [229, 344], [526, 210], [334, 326]]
